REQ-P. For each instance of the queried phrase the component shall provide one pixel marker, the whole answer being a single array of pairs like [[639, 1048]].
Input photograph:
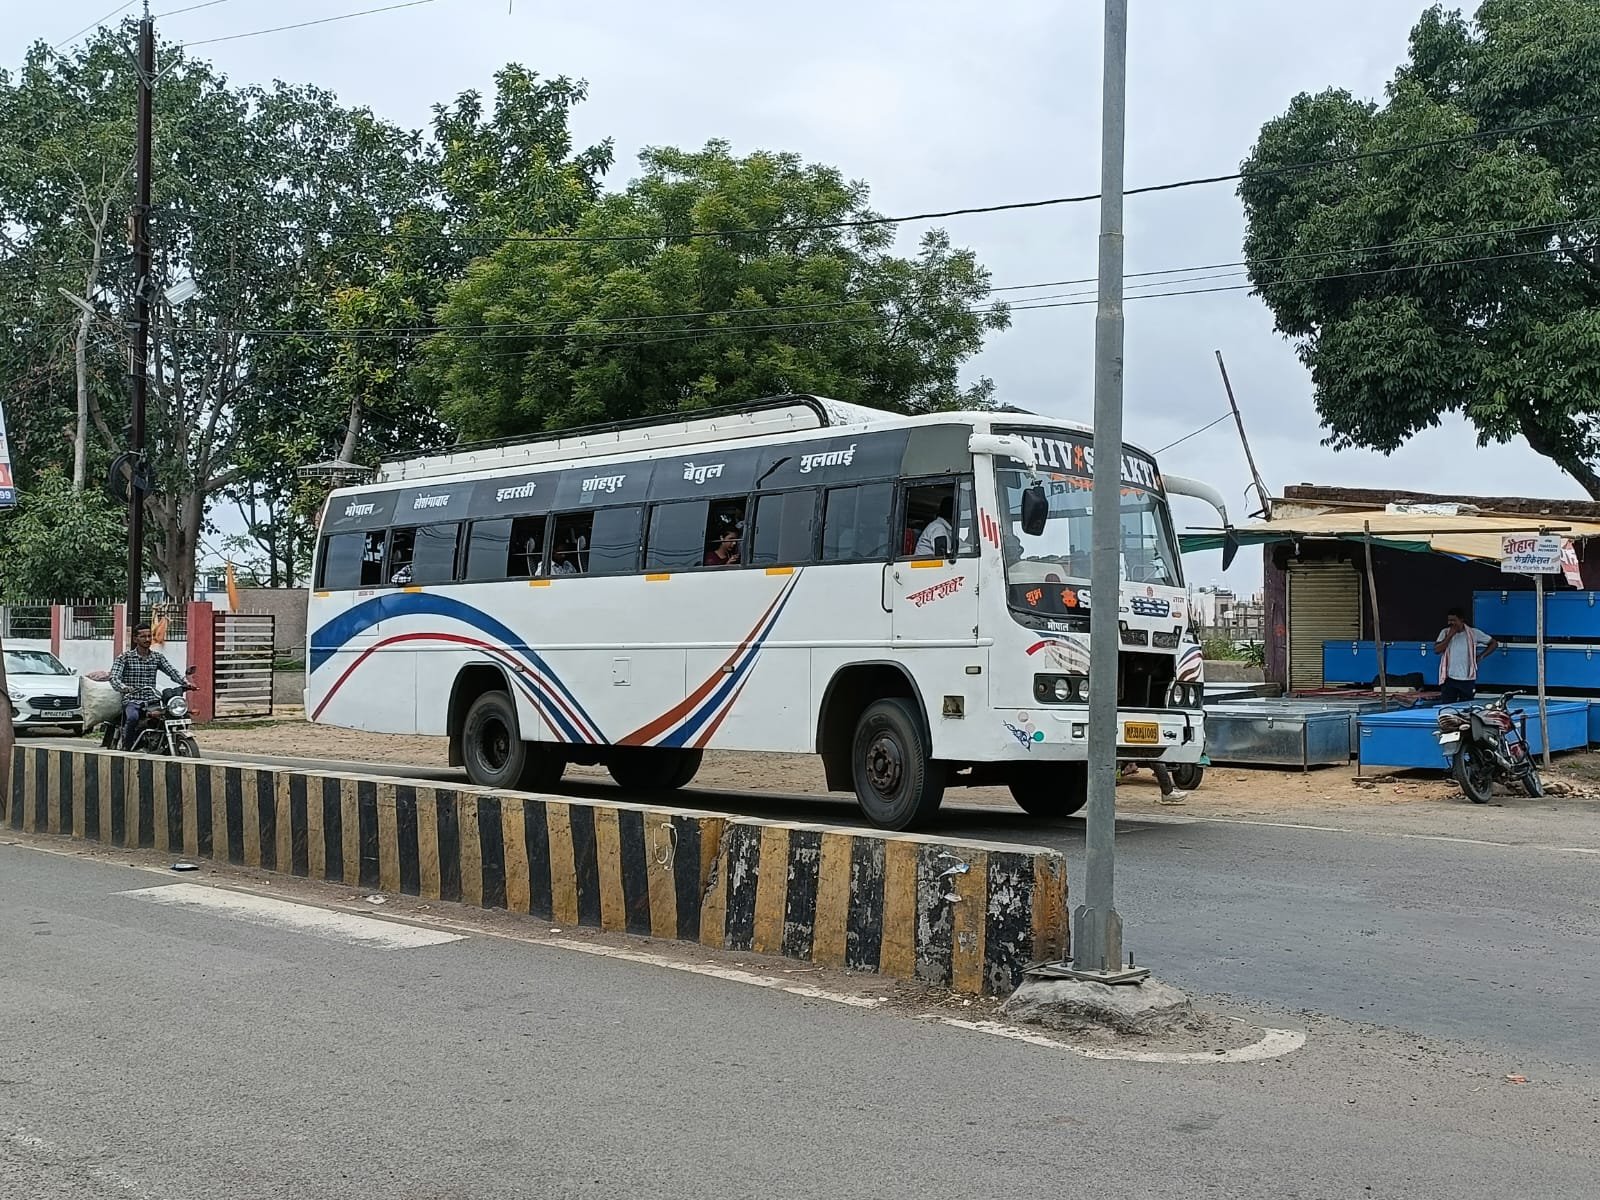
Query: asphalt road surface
[[1495, 942], [157, 1050]]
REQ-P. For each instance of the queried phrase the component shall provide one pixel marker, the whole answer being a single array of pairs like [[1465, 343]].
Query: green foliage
[[592, 330], [1221, 650], [58, 544], [1255, 653], [329, 247], [1486, 302]]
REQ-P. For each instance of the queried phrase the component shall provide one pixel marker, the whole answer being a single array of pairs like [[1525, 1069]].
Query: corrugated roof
[[1465, 536]]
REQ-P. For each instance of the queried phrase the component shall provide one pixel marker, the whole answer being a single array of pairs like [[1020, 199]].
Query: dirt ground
[[1226, 791]]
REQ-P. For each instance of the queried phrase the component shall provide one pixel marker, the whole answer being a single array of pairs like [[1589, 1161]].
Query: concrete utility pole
[[139, 364], [1097, 929]]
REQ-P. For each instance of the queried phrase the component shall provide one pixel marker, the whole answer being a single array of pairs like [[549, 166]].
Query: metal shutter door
[[1324, 605]]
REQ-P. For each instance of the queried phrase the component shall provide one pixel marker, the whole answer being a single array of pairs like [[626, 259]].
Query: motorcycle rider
[[134, 676]]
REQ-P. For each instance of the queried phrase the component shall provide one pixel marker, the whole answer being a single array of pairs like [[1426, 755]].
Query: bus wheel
[[653, 768], [897, 785], [1058, 790], [491, 742]]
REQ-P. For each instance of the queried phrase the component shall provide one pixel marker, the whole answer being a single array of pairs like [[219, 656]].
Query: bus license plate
[[1141, 733]]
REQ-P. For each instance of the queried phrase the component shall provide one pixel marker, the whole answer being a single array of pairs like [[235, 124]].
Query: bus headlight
[[1060, 689]]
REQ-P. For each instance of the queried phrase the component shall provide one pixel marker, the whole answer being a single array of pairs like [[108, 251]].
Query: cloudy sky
[[940, 105]]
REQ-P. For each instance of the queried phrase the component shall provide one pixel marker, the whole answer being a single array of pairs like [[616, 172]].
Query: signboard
[[1530, 554], [8, 489]]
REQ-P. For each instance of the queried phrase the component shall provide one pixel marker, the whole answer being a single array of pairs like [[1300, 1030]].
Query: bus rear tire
[[492, 748], [897, 784], [653, 768], [1053, 791]]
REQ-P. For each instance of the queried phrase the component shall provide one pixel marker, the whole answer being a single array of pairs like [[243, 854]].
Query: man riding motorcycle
[[134, 676]]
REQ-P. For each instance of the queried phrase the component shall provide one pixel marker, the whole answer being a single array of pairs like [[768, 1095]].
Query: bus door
[[931, 587]]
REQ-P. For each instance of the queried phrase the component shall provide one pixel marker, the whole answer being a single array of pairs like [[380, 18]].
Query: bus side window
[[785, 529], [677, 538], [489, 556], [433, 553], [525, 554], [855, 523], [402, 546], [341, 565], [372, 558], [599, 542], [939, 520]]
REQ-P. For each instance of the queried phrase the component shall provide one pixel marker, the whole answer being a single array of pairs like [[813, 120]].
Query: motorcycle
[[1486, 744], [164, 727]]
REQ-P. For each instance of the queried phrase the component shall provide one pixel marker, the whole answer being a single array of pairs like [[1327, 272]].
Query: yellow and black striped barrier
[[966, 915]]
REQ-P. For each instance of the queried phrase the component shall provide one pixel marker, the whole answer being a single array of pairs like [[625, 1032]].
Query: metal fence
[[242, 664], [25, 619]]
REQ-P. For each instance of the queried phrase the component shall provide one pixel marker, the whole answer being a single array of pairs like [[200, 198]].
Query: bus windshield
[[1062, 552]]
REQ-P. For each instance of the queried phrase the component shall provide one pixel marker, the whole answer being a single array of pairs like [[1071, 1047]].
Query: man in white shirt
[[1460, 648], [936, 531]]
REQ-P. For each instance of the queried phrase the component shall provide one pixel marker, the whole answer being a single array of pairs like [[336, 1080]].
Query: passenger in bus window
[[402, 544], [564, 561], [938, 534], [725, 552]]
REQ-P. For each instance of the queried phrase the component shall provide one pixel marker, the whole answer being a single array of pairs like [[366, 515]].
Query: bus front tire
[[897, 784], [653, 768], [491, 743], [1058, 790]]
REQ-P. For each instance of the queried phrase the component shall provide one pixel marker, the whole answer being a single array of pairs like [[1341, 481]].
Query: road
[[155, 1051], [1496, 942]]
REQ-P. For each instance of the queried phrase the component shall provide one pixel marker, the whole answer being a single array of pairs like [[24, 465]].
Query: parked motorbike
[[164, 727], [1488, 744]]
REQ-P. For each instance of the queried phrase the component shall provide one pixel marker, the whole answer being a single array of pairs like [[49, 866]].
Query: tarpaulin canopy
[[1466, 535]]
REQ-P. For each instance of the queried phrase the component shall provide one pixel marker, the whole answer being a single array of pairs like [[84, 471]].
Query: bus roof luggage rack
[[730, 422]]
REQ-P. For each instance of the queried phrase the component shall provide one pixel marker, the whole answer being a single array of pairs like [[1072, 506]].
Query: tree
[[1457, 268], [66, 126], [62, 544], [411, 216], [633, 313]]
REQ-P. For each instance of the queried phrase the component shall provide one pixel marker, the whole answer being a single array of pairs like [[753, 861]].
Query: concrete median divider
[[968, 915]]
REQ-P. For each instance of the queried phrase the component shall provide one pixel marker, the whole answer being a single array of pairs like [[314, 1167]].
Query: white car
[[45, 694]]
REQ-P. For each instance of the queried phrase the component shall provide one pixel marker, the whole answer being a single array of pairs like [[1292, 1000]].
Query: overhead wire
[[178, 12], [1196, 433], [365, 12], [530, 331], [941, 214], [93, 25]]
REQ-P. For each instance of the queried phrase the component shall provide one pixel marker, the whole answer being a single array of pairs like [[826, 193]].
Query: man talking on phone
[[1460, 648]]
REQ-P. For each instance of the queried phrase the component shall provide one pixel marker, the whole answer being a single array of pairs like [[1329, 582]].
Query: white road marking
[[730, 974], [302, 918], [1419, 837], [22, 1140], [1273, 1044]]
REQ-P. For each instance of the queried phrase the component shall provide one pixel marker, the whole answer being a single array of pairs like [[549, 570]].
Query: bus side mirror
[[1035, 510]]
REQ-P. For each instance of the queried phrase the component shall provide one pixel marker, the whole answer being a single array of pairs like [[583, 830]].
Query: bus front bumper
[[1169, 734]]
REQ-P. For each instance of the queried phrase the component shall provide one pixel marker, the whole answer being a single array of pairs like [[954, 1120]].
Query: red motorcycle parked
[[1488, 744]]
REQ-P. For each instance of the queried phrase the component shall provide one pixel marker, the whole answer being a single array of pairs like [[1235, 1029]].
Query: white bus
[[792, 575]]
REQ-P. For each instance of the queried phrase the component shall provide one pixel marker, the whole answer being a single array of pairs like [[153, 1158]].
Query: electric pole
[[139, 356], [1097, 929]]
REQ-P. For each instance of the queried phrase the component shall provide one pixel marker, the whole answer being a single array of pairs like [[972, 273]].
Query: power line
[[530, 330], [1196, 433], [941, 214], [93, 25], [1440, 239], [178, 12], [365, 12]]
